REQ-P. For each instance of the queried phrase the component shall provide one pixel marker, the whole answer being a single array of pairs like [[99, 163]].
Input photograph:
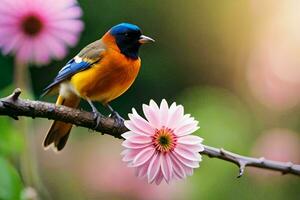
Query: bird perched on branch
[[102, 71]]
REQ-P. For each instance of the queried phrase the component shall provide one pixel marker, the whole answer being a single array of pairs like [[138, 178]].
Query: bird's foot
[[97, 118], [118, 119]]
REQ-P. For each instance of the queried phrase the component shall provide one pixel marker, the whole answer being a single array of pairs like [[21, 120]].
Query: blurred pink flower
[[162, 147], [276, 144], [38, 30], [273, 69]]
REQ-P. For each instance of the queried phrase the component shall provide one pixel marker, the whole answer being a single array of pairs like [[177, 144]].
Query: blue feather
[[72, 67], [124, 27]]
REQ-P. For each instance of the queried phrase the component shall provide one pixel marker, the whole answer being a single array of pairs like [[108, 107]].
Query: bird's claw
[[118, 119], [97, 118]]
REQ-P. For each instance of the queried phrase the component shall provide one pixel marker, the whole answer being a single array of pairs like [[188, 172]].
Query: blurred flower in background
[[162, 147], [38, 30], [276, 144], [273, 69]]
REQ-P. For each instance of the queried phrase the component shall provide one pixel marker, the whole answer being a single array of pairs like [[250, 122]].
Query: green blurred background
[[234, 65]]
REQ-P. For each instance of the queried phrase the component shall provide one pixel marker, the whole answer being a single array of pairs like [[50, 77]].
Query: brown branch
[[14, 107]]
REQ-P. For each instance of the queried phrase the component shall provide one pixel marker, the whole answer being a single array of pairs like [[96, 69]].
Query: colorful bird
[[101, 71]]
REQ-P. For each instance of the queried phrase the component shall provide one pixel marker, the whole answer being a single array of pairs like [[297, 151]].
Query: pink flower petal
[[142, 170], [186, 162], [72, 26], [164, 113], [141, 123], [190, 131], [153, 168], [65, 36], [56, 47], [175, 117], [189, 139], [171, 111], [151, 116], [159, 178], [186, 129], [140, 139], [186, 119], [130, 155], [130, 125], [128, 134], [125, 151], [176, 177], [177, 167], [143, 156], [166, 167], [188, 170], [187, 153], [195, 148], [70, 13], [41, 52], [130, 145], [13, 44], [9, 21], [24, 53]]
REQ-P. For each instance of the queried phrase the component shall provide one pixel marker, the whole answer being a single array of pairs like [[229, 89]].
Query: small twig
[[15, 95], [242, 161], [14, 106]]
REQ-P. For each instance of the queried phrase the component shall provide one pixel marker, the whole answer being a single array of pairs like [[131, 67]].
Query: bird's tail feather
[[59, 131]]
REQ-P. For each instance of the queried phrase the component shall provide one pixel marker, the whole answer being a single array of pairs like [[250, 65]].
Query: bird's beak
[[145, 39]]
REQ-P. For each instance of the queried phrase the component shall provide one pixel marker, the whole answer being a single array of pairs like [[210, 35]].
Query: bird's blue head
[[129, 39]]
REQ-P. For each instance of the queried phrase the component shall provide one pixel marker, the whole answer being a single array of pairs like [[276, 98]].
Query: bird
[[100, 72]]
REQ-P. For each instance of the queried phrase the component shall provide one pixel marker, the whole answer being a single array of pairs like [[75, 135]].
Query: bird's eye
[[126, 34]]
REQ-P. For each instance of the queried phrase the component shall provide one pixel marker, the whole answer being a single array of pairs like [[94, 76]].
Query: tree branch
[[13, 106]]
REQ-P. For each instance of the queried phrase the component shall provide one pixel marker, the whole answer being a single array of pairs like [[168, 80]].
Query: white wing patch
[[77, 59]]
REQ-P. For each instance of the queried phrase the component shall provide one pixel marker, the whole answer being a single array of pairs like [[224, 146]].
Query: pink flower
[[38, 30], [162, 146]]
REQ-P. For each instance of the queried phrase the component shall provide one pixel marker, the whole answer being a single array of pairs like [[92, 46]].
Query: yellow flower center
[[32, 25], [164, 140]]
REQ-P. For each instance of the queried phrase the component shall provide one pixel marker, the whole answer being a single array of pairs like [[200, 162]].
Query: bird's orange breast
[[107, 79]]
